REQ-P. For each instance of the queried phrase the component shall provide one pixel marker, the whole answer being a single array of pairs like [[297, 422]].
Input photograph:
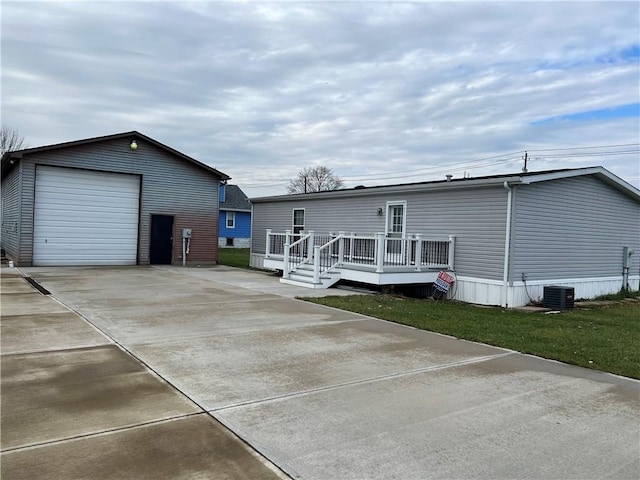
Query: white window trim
[[233, 216], [293, 218]]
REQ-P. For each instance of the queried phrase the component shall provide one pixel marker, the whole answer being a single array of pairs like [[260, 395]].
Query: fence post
[[341, 248], [316, 265], [380, 250], [452, 248], [417, 259], [267, 246]]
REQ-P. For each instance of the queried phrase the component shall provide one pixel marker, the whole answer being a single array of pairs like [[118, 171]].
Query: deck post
[[417, 259], [316, 264], [287, 244], [267, 247], [341, 247], [352, 245], [285, 260], [380, 249], [452, 248], [310, 245]]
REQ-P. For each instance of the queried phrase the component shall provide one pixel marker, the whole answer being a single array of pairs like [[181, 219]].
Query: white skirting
[[490, 292]]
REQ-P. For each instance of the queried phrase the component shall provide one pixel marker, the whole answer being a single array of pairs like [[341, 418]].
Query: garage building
[[122, 199]]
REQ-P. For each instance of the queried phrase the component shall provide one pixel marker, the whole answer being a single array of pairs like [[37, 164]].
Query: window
[[231, 219], [298, 220]]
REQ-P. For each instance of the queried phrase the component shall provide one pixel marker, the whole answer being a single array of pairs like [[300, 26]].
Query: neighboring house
[[235, 217], [121, 199], [504, 236]]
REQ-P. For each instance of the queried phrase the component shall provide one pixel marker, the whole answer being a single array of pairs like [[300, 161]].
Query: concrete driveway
[[327, 394]]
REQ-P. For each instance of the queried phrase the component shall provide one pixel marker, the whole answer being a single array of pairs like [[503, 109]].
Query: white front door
[[396, 219], [396, 225]]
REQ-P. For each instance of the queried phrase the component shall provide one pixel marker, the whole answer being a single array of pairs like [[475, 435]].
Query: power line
[[584, 148], [450, 165], [445, 168], [588, 154], [482, 162]]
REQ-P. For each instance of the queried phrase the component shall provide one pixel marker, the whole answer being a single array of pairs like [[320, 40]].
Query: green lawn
[[604, 338], [234, 257]]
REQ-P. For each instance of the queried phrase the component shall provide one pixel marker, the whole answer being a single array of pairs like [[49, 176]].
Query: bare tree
[[315, 179], [10, 140]]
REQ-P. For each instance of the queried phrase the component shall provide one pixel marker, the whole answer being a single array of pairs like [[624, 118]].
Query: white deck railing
[[375, 252]]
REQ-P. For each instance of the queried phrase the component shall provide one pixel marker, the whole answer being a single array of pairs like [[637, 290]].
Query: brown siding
[[203, 247]]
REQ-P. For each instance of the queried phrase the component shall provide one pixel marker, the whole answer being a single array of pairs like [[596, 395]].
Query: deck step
[[304, 278]]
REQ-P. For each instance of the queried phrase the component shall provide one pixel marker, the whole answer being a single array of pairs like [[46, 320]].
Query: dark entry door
[[161, 246]]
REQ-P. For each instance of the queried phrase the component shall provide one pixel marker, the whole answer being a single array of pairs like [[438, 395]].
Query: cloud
[[371, 90]]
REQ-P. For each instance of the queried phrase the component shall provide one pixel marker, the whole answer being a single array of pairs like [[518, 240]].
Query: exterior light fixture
[[134, 145], [379, 211]]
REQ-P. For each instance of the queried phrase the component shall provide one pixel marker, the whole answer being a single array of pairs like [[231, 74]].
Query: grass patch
[[621, 295], [604, 338], [234, 257]]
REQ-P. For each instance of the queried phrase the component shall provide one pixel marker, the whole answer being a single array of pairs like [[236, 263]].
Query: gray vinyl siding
[[169, 186], [476, 216], [573, 228], [11, 214]]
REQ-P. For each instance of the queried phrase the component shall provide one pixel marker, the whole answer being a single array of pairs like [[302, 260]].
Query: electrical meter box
[[186, 233]]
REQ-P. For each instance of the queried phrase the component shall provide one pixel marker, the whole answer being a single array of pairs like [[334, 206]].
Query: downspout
[[507, 245]]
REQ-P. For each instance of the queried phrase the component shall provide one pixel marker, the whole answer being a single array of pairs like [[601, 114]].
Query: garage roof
[[9, 158]]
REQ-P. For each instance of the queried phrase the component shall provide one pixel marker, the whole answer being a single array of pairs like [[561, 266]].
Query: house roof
[[9, 162], [455, 183], [235, 199]]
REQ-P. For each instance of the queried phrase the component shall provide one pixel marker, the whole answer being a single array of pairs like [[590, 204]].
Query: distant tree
[[10, 140], [315, 179]]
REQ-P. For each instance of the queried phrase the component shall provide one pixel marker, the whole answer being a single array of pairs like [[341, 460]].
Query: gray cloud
[[260, 90]]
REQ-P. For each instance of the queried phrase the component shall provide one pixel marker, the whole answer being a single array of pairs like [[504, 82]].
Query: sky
[[380, 92]]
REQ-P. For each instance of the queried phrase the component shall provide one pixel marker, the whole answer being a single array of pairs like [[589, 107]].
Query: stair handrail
[[322, 258], [290, 264]]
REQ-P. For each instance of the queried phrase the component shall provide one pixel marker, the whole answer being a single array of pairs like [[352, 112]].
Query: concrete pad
[[95, 277], [47, 331], [51, 396], [15, 284], [281, 362], [338, 395], [29, 303], [260, 281], [155, 296], [506, 417], [164, 322], [191, 447]]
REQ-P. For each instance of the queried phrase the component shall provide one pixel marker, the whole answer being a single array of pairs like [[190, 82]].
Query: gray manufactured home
[[122, 199], [502, 237]]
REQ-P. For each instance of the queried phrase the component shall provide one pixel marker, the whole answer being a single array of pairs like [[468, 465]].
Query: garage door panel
[[90, 196], [85, 217], [90, 212]]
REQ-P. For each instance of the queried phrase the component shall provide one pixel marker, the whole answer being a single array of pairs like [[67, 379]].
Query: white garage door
[[85, 218]]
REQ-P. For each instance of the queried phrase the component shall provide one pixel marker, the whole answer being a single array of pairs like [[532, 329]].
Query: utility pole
[[526, 157]]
